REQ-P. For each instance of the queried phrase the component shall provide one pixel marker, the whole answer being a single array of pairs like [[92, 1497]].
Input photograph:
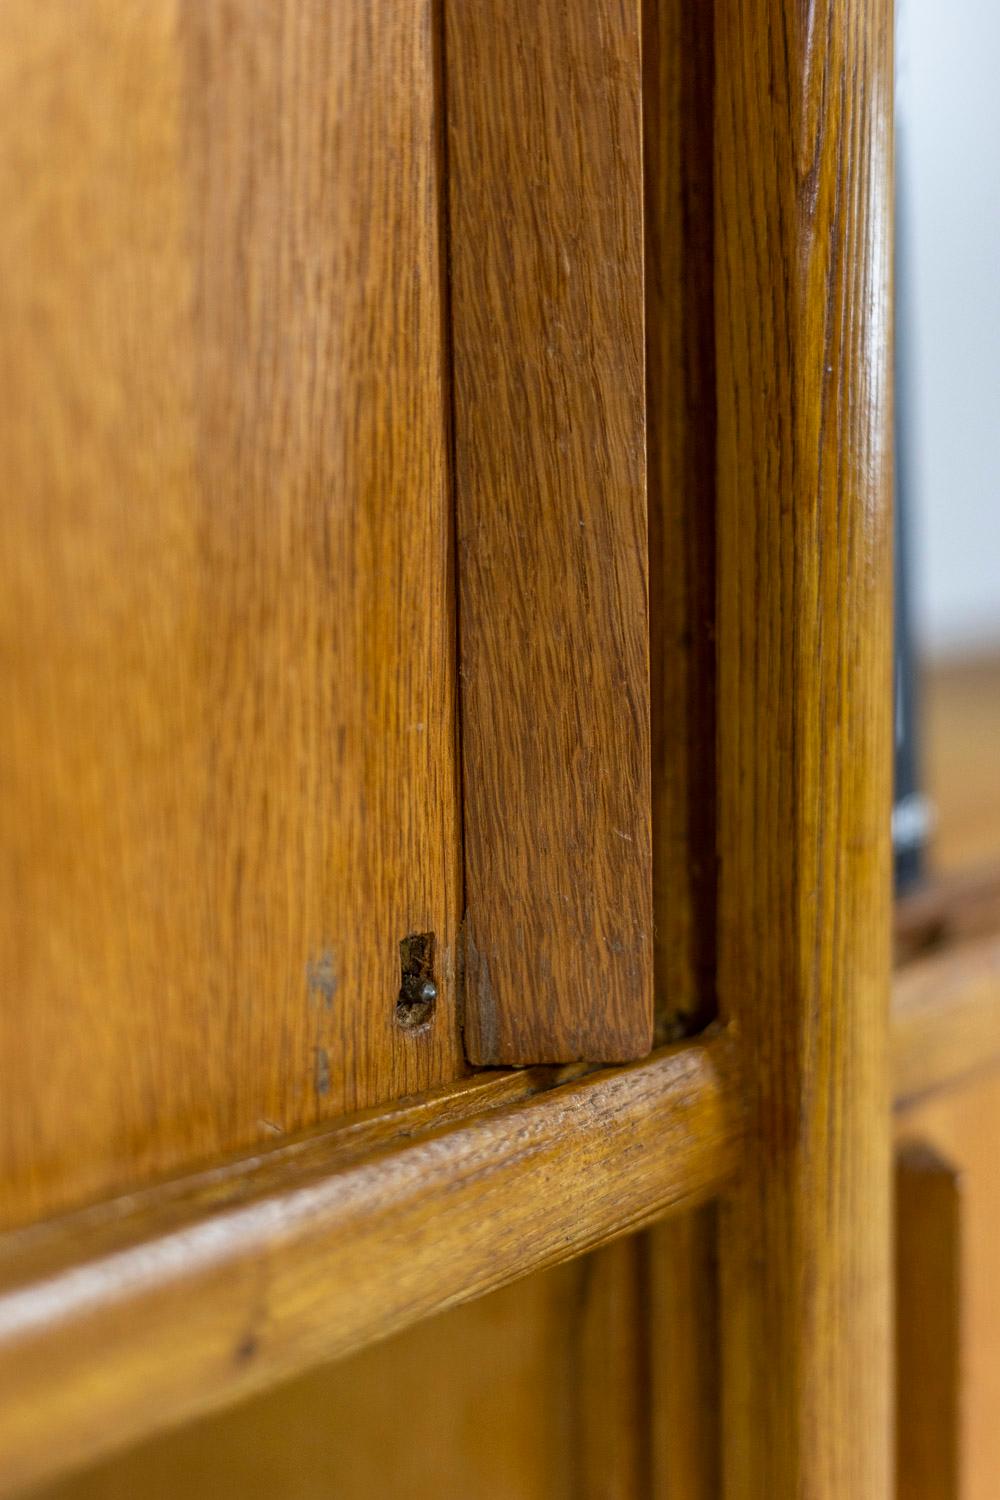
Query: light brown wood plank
[[928, 1325], [120, 1323], [475, 1404], [228, 777], [802, 230], [545, 164]]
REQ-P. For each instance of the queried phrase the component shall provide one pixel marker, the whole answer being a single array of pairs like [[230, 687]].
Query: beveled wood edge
[[132, 1316], [135, 1316]]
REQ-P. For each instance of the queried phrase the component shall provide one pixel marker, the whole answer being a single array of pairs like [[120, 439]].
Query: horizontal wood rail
[[135, 1315], [127, 1319]]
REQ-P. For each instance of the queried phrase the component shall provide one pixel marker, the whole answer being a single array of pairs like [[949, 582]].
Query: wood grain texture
[[119, 1322], [228, 766], [946, 1020], [609, 1450], [802, 223], [145, 1366], [680, 388], [928, 1324], [534, 1392], [545, 169], [682, 1313], [475, 1404]]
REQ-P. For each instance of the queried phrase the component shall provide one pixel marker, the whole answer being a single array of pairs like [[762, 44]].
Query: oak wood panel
[[929, 1203], [802, 232], [118, 1323], [475, 1404], [545, 173], [228, 777], [963, 1128], [534, 1392], [680, 387]]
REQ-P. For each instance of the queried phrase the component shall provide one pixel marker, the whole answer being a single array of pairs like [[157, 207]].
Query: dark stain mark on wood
[[246, 1349], [321, 976], [321, 1072]]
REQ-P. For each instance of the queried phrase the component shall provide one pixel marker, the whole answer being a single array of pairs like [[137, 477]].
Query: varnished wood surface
[[545, 169], [802, 233], [929, 1212], [228, 779], [526, 1394], [479, 1403], [117, 1323], [146, 1343]]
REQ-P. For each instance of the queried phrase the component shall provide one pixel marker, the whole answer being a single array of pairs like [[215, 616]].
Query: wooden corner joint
[[130, 1317]]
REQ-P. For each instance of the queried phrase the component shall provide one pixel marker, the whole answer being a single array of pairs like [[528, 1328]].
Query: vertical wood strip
[[608, 1375], [546, 197], [803, 195], [683, 1317], [681, 1281], [680, 388], [928, 1325]]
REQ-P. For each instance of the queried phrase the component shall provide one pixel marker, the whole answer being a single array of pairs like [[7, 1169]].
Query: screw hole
[[418, 990]]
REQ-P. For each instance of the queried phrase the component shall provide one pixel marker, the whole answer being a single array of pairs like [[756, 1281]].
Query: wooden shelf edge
[[128, 1318], [136, 1316]]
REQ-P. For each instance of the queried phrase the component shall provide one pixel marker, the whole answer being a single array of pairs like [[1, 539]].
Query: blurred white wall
[[948, 106]]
